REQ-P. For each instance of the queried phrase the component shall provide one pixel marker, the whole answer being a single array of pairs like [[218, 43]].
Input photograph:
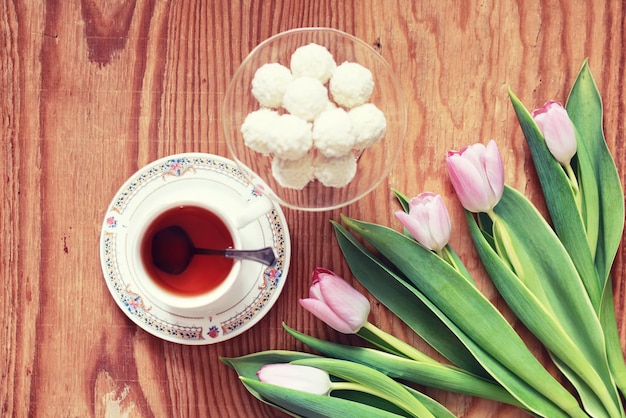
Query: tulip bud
[[557, 129], [477, 175], [336, 303], [293, 376], [427, 221]]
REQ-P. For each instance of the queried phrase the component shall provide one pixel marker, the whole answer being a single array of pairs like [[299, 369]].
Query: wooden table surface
[[92, 91]]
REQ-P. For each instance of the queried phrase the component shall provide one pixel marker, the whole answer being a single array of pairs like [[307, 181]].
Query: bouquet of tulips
[[555, 276]]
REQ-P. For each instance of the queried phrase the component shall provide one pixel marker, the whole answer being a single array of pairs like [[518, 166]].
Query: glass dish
[[373, 163]]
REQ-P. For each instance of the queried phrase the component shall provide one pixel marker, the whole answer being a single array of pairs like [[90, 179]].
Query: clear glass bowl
[[374, 163]]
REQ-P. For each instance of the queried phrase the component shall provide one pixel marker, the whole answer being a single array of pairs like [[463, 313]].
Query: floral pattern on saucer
[[167, 325]]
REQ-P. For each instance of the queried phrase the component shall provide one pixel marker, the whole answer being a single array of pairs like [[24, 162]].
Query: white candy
[[269, 84], [258, 130], [285, 136], [293, 174], [291, 137], [351, 84], [370, 124], [305, 97], [333, 133], [313, 60], [334, 171], [316, 138]]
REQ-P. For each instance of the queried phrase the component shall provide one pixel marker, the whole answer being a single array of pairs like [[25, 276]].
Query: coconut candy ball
[[258, 129], [333, 133], [269, 84], [313, 60], [334, 171], [351, 84], [293, 174], [370, 124], [291, 138], [305, 97]]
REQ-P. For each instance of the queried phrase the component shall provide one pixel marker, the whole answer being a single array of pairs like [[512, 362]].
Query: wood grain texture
[[90, 91]]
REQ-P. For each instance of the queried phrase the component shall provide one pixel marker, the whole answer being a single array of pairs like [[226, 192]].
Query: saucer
[[261, 285]]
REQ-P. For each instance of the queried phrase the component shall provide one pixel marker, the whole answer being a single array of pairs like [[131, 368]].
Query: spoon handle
[[264, 256]]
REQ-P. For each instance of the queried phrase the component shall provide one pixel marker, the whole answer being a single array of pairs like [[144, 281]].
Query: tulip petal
[[304, 378], [477, 175], [557, 129], [428, 220], [336, 302], [494, 169], [323, 312], [314, 291], [415, 228], [468, 184], [345, 301], [439, 220]]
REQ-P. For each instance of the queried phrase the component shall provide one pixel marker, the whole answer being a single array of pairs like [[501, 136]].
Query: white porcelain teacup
[[211, 219]]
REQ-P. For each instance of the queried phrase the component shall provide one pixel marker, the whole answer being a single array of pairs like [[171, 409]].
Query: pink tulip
[[557, 129], [477, 175], [336, 303], [294, 376], [428, 220]]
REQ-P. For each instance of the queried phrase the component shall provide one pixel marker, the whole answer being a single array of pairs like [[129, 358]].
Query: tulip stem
[[572, 177], [395, 344], [516, 259], [573, 181], [448, 255], [410, 409]]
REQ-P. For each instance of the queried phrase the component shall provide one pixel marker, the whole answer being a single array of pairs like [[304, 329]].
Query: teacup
[[211, 219]]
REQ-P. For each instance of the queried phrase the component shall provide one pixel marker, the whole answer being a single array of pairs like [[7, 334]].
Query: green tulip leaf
[[561, 202], [456, 304], [310, 405], [433, 406], [403, 199], [600, 222], [373, 381], [611, 335], [406, 302], [247, 366], [432, 374], [561, 289], [584, 107], [368, 399], [547, 295]]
